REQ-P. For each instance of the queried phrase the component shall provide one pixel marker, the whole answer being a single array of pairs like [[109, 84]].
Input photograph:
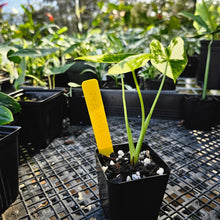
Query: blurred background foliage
[[38, 41]]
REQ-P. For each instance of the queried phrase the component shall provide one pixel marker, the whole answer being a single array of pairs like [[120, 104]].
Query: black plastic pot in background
[[191, 67], [136, 199], [154, 84], [200, 114], [41, 119], [214, 71], [77, 109], [169, 105], [5, 85], [8, 166]]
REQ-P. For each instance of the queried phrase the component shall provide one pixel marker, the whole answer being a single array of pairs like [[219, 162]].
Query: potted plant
[[8, 152], [41, 117], [206, 22], [201, 112], [137, 195]]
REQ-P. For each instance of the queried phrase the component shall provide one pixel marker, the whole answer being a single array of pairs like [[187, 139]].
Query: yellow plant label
[[97, 115]]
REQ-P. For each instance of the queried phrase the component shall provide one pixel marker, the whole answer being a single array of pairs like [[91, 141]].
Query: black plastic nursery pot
[[8, 165], [169, 104], [201, 114], [214, 69], [136, 199], [191, 67], [5, 85], [154, 84], [77, 109], [41, 117]]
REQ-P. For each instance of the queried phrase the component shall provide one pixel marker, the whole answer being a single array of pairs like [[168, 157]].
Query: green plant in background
[[98, 69], [40, 59], [112, 15], [149, 72], [8, 107], [71, 85], [7, 64], [206, 22], [170, 61]]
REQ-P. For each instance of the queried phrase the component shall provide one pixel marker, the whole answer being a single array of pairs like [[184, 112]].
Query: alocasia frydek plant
[[170, 61]]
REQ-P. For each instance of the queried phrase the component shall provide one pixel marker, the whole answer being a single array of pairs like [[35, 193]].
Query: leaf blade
[[130, 63], [174, 55]]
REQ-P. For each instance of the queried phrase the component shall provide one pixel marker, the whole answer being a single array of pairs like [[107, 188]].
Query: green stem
[[129, 134], [53, 81], [147, 121], [207, 70], [49, 81], [140, 98]]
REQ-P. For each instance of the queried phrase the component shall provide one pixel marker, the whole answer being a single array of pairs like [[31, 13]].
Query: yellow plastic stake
[[97, 115]]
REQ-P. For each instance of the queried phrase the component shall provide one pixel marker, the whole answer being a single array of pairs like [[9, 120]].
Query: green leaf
[[74, 85], [39, 81], [4, 49], [5, 115], [44, 28], [174, 55], [71, 48], [130, 63], [10, 103], [105, 58], [60, 69], [21, 78], [34, 52], [196, 18], [205, 12]]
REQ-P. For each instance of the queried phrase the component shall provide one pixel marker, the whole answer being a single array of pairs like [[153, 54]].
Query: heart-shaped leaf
[[129, 64], [171, 60]]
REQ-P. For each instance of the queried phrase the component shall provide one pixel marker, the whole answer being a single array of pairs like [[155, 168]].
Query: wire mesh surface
[[59, 182]]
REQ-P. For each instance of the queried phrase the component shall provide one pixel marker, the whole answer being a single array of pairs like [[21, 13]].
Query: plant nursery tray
[[60, 181]]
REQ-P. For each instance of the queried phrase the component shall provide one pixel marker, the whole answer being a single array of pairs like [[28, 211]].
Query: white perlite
[[146, 161], [160, 171], [120, 153], [104, 168], [128, 178], [112, 163], [136, 176]]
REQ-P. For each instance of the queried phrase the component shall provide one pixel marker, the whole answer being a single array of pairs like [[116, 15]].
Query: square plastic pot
[[8, 165], [41, 119], [169, 105], [136, 199], [214, 68], [77, 109], [154, 84], [201, 114]]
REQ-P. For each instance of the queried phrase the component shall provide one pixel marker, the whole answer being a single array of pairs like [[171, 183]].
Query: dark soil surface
[[120, 169]]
